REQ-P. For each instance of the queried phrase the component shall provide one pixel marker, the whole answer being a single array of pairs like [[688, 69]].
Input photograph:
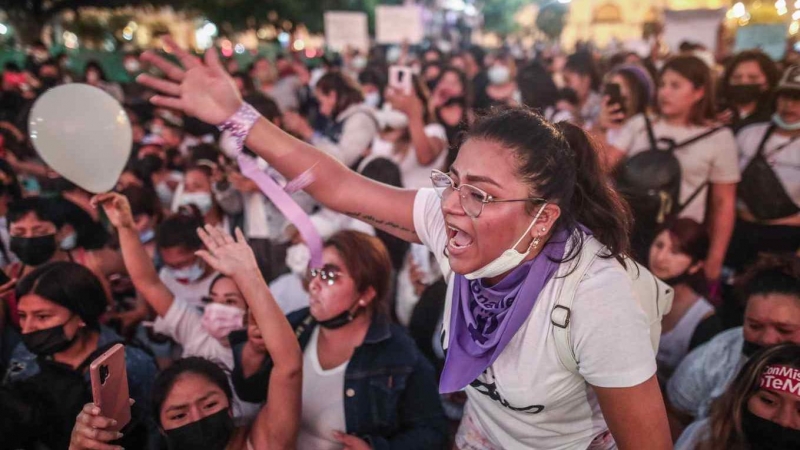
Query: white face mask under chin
[[509, 259]]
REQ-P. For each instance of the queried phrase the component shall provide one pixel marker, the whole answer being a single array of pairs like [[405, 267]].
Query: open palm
[[201, 88], [225, 254]]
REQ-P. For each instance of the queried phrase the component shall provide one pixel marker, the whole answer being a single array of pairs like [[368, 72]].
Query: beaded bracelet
[[239, 124]]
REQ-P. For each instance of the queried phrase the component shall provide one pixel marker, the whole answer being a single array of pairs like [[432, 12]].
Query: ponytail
[[595, 204]]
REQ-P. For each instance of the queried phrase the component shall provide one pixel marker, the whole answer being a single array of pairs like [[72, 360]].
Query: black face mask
[[48, 341], [33, 251], [150, 164], [742, 94], [682, 278], [340, 320], [210, 433], [763, 434], [750, 348]]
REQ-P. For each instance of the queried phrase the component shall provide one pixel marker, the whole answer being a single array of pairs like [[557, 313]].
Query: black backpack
[[651, 180], [761, 190]]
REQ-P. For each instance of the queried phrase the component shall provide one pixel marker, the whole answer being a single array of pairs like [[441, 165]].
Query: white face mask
[[510, 258], [499, 74], [359, 63], [220, 320], [132, 65], [372, 99], [297, 258], [202, 200], [189, 274]]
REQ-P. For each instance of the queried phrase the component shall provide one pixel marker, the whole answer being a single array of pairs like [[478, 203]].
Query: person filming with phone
[[60, 305]]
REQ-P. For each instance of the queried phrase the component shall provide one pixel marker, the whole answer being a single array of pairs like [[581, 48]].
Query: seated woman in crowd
[[676, 257], [204, 335], [60, 305], [746, 88], [768, 211], [759, 411], [705, 153], [772, 316], [351, 124], [352, 350], [193, 404], [414, 140]]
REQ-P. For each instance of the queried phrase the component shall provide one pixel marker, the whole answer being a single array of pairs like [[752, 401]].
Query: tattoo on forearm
[[372, 219]]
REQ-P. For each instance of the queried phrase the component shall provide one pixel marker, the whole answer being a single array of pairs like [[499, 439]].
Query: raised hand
[[116, 207], [225, 254], [90, 431], [202, 89]]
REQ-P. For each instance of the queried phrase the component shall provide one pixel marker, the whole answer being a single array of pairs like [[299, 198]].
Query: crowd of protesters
[[432, 323]]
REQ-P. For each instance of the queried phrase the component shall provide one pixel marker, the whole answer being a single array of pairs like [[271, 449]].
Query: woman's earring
[[544, 229], [535, 242]]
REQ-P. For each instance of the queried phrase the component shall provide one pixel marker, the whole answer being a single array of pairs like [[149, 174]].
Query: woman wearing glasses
[[529, 195], [365, 384]]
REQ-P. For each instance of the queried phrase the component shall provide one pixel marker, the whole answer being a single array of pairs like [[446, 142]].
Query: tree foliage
[[551, 19]]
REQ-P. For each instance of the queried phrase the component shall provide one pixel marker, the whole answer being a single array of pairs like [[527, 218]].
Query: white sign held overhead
[[696, 25], [398, 24], [345, 29]]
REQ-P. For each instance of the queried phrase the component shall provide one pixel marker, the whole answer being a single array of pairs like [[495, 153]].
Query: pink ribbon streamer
[[286, 205]]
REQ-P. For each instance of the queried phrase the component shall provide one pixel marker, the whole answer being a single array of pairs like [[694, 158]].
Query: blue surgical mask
[[189, 274], [783, 125], [147, 236], [69, 242]]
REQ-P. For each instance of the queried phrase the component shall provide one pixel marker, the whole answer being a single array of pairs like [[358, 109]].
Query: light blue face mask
[[147, 236], [783, 125], [189, 274], [69, 242]]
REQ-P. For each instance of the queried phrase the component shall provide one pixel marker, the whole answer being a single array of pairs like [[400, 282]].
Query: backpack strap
[[651, 136], [700, 188], [561, 315]]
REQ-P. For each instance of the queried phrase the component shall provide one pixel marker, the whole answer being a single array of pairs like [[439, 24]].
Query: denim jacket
[[140, 367], [390, 392]]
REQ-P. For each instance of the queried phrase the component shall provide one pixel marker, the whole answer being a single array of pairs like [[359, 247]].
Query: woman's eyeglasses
[[472, 199], [329, 274]]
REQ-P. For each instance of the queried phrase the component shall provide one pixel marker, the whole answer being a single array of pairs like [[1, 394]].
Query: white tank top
[[675, 344]]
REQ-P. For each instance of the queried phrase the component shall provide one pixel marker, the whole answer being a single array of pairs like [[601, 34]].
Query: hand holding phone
[[614, 94], [401, 79], [110, 386]]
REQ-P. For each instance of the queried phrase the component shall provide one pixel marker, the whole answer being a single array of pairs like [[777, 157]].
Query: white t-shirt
[[414, 174], [184, 325], [323, 401], [289, 293], [785, 163], [713, 159], [611, 340], [191, 293]]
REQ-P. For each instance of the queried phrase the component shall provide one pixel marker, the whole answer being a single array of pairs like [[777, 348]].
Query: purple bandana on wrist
[[485, 318]]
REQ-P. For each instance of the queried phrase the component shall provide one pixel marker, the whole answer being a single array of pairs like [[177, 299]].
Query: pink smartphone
[[110, 386], [401, 78]]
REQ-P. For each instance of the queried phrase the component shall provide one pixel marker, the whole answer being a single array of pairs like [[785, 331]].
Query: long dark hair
[[725, 419], [560, 163]]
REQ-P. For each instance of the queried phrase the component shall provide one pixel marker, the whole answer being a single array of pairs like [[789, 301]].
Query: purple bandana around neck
[[485, 318]]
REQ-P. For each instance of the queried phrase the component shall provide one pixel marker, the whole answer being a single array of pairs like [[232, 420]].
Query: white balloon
[[82, 133]]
